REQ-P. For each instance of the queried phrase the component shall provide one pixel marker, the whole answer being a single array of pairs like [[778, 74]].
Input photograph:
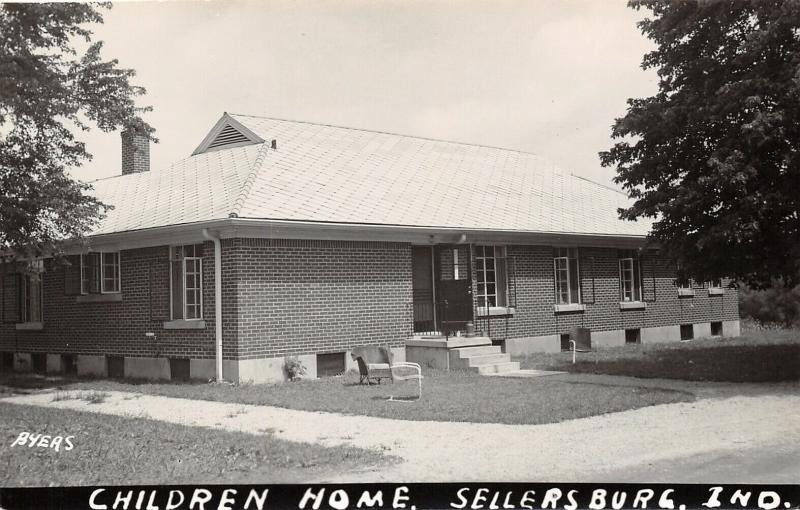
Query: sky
[[547, 77]]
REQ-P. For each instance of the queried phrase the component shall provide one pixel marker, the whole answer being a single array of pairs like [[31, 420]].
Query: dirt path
[[621, 445]]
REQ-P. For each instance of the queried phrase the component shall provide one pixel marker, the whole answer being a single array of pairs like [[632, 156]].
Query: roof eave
[[228, 228]]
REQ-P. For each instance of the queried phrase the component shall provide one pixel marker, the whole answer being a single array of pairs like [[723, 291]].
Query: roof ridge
[[387, 133], [247, 185], [599, 184]]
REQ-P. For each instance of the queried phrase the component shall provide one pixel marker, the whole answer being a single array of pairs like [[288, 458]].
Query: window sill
[[685, 292], [716, 291], [99, 298], [495, 310], [632, 305], [185, 324], [29, 326], [572, 307]]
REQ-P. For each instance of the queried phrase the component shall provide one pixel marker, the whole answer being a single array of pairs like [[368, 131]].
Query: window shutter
[[511, 274], [72, 276], [648, 268], [158, 289], [587, 275], [12, 297]]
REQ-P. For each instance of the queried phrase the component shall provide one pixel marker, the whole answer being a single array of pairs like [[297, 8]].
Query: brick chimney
[[135, 153]]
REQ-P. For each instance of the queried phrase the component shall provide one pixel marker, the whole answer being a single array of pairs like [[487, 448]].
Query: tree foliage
[[714, 156], [53, 84], [778, 305]]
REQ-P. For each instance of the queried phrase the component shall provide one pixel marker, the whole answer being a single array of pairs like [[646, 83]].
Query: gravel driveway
[[633, 445]]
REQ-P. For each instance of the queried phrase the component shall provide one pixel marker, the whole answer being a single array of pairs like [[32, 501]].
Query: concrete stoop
[[482, 357], [475, 354]]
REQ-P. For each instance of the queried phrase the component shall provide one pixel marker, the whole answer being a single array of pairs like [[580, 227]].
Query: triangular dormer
[[226, 134]]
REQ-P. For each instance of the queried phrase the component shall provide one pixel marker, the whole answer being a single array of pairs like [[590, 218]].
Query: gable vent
[[228, 136]]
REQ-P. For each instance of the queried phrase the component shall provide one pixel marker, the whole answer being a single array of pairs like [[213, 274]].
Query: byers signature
[[43, 441]]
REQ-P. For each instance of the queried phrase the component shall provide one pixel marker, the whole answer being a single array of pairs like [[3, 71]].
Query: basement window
[[179, 369], [716, 328], [7, 361], [687, 332], [565, 342], [69, 364], [39, 362], [330, 364], [116, 367], [633, 336]]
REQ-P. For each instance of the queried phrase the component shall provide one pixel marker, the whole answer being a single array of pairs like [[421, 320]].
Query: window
[[567, 276], [115, 366], [39, 362], [100, 273], [32, 292], [179, 369], [69, 364], [715, 284], [564, 339], [330, 364], [716, 328], [633, 336], [492, 276], [687, 332], [630, 276], [186, 277]]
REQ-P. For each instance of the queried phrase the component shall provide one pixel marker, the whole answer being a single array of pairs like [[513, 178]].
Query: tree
[[48, 91], [714, 156]]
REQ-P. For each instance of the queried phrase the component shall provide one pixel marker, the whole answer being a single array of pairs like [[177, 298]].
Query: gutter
[[217, 300]]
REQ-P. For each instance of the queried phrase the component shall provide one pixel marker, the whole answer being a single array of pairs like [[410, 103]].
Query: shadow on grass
[[713, 362]]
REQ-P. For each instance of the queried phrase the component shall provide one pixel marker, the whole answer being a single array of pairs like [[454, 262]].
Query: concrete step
[[466, 352], [455, 342], [488, 359], [498, 368]]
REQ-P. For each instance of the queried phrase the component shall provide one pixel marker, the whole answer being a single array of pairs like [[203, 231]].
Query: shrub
[[294, 368], [776, 305]]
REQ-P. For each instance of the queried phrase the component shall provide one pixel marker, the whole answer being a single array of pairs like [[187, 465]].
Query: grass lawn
[[454, 396], [117, 450], [756, 356]]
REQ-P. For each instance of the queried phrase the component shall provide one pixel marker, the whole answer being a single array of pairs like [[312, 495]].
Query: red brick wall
[[119, 328], [302, 297], [599, 268], [284, 297]]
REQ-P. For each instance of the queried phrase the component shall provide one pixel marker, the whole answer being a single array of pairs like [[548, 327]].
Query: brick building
[[278, 238]]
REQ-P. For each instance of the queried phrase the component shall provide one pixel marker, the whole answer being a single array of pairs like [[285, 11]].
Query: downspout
[[217, 299]]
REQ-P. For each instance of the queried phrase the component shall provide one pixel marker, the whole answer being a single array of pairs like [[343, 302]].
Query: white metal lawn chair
[[402, 371]]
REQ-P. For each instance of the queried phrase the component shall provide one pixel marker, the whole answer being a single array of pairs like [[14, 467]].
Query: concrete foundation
[[428, 357], [702, 330], [605, 339], [731, 328], [532, 344], [54, 363], [202, 369], [147, 368], [90, 365], [661, 334], [23, 362]]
